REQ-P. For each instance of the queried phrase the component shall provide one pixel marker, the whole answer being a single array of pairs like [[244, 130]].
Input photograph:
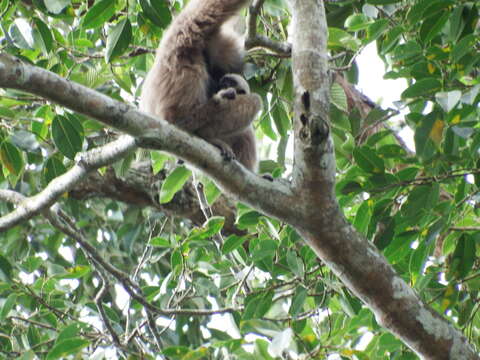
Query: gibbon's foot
[[225, 149]]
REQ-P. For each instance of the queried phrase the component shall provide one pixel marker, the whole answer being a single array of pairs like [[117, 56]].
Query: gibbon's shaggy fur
[[194, 54], [232, 139]]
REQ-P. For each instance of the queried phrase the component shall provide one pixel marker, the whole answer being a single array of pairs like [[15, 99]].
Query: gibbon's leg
[[228, 117], [201, 18], [244, 148]]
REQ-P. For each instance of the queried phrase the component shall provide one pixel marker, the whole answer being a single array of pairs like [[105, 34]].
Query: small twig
[[253, 39], [98, 301], [153, 329], [240, 285], [428, 180], [33, 322]]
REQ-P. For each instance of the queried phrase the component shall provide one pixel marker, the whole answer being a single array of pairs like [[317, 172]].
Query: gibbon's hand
[[225, 95], [225, 149], [229, 93]]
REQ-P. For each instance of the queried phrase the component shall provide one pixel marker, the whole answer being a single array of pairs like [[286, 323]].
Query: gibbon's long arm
[[227, 117], [203, 17]]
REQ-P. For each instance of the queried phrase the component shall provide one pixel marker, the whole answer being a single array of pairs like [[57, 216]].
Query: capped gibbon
[[188, 84]]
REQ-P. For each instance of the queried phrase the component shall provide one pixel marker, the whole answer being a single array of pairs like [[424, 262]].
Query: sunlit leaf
[[56, 6], [11, 158], [118, 39], [67, 347], [98, 14], [174, 183], [67, 133]]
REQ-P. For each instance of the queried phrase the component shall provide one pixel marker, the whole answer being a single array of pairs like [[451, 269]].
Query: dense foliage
[[261, 293]]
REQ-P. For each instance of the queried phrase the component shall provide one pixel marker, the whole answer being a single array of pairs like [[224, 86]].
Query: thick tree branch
[[86, 163], [139, 187], [353, 259]]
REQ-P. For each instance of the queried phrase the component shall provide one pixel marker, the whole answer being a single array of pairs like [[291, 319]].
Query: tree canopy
[[112, 248]]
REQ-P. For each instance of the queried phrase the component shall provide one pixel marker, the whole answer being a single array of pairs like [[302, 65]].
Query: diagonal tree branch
[[86, 163]]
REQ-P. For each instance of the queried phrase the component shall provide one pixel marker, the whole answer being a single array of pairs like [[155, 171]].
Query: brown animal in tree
[[188, 84]]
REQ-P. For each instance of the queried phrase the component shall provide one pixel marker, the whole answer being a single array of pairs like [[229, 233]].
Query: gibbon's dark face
[[234, 81]]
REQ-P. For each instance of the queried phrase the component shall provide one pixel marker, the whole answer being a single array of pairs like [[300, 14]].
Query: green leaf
[[67, 133], [118, 40], [368, 160], [157, 11], [176, 352], [67, 347], [29, 355], [448, 100], [427, 134], [21, 34], [266, 126], [338, 97], [257, 305], [420, 200], [98, 14], [248, 219], [362, 218], [463, 257], [158, 161], [56, 6], [338, 38], [176, 259], [295, 264], [391, 39], [408, 51], [8, 306], [422, 88], [232, 243], [45, 34], [70, 331], [376, 29], [6, 113], [75, 272], [31, 263], [432, 27], [212, 192], [159, 242], [281, 119], [11, 158], [197, 354], [457, 23], [298, 301], [426, 8], [463, 47], [174, 183], [357, 22], [210, 228], [53, 169], [265, 249]]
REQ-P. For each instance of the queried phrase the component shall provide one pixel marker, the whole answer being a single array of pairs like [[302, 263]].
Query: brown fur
[[195, 52], [238, 135]]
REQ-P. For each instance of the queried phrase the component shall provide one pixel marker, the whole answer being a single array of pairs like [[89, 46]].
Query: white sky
[[381, 91]]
